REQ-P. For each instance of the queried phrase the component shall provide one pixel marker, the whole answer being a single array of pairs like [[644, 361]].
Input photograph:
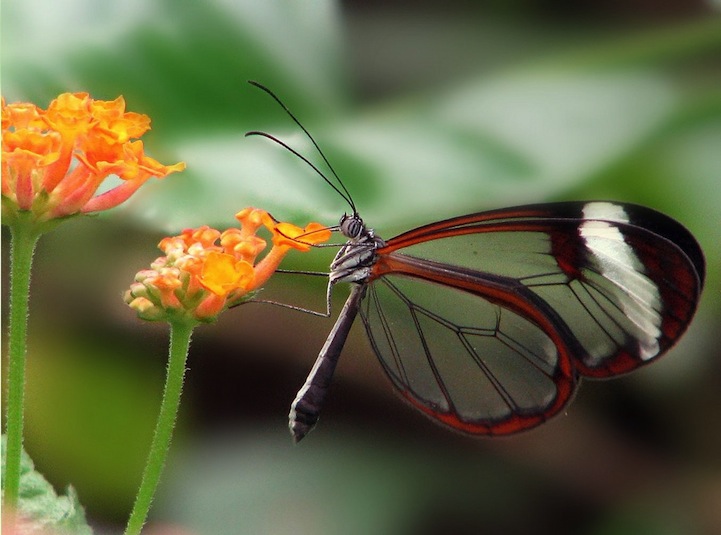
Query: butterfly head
[[352, 226]]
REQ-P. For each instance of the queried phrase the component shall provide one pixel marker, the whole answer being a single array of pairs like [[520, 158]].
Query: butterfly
[[487, 322]]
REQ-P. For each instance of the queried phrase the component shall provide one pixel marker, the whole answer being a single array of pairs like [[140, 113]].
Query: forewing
[[623, 280]]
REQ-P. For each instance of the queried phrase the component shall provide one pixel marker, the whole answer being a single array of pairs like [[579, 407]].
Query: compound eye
[[351, 226]]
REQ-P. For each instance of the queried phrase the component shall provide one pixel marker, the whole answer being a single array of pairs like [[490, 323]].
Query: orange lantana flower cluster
[[54, 160], [205, 271]]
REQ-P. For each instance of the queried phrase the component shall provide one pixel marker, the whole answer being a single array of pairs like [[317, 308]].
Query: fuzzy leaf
[[41, 508]]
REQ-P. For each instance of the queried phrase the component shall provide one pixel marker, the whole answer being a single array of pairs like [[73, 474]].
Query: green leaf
[[42, 508]]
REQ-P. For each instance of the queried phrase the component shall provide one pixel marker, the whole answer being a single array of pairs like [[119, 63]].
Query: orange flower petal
[[70, 114], [115, 124], [289, 235], [43, 144], [22, 115], [80, 142], [222, 274], [315, 233], [251, 219], [242, 247]]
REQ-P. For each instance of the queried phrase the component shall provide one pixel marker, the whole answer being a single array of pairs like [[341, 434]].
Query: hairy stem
[[180, 334], [24, 239]]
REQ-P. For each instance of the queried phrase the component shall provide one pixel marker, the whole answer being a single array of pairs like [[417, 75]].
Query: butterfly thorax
[[354, 260]]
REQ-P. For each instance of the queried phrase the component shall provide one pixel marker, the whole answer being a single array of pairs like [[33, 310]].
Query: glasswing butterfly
[[486, 322]]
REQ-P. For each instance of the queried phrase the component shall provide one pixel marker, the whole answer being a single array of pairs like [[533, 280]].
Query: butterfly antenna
[[345, 194], [306, 160]]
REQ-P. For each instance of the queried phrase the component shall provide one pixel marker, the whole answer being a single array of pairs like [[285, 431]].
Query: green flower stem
[[180, 333], [24, 238]]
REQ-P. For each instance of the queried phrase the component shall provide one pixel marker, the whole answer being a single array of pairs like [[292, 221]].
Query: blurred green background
[[426, 110]]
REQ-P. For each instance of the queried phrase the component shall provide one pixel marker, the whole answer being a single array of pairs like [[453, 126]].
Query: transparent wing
[[484, 321], [473, 365], [625, 280]]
